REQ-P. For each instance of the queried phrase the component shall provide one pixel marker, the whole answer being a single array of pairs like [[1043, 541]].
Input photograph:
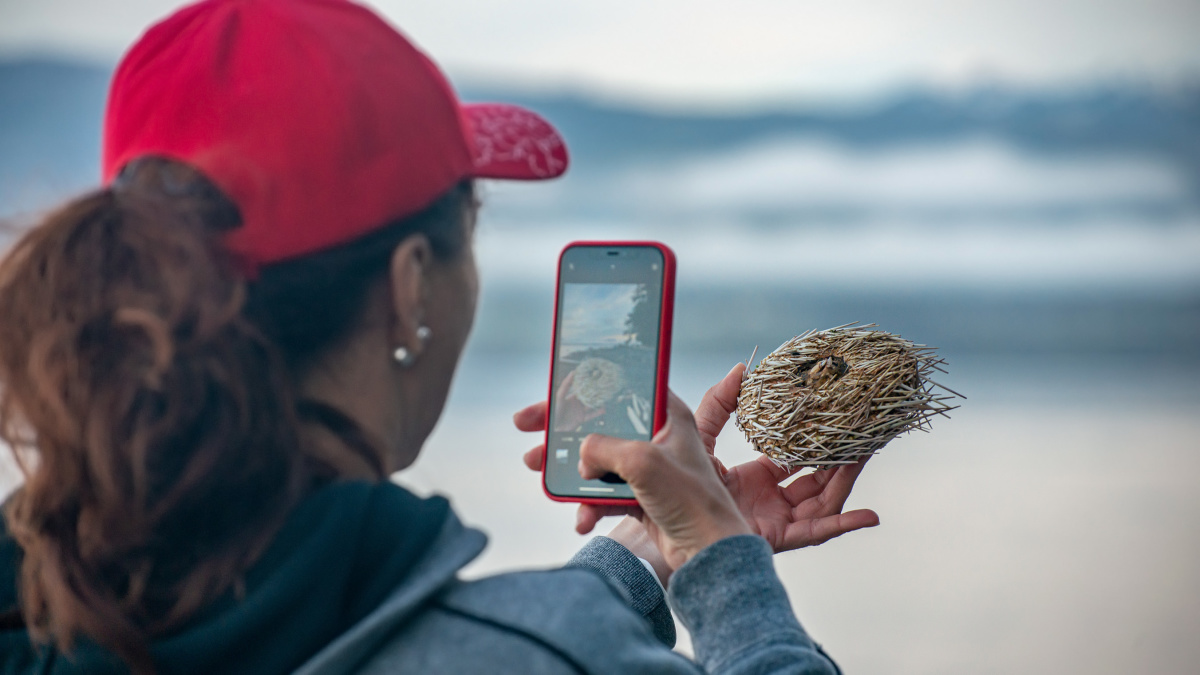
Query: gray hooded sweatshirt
[[602, 613]]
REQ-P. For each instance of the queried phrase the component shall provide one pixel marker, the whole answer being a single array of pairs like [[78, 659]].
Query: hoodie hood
[[342, 552]]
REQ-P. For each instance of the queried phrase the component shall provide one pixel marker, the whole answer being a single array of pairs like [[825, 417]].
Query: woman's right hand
[[682, 502]]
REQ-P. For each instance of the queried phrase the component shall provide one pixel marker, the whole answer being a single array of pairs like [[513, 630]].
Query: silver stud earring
[[406, 357]]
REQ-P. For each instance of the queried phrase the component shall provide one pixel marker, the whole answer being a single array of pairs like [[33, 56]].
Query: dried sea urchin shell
[[597, 380], [833, 396]]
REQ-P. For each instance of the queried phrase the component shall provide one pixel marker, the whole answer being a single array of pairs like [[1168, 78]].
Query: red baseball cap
[[316, 117]]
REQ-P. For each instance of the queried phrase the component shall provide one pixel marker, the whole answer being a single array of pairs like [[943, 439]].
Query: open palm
[[805, 512]]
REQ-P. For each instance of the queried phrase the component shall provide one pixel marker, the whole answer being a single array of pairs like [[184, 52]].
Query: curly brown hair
[[149, 393]]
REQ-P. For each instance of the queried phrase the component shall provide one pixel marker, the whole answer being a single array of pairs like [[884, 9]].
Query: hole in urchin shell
[[821, 370]]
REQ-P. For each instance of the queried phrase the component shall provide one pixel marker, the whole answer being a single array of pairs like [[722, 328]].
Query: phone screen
[[605, 368]]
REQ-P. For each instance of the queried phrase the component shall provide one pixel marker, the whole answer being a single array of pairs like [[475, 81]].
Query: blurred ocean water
[[1047, 242]]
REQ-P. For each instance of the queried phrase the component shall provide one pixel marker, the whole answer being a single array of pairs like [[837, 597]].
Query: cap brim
[[512, 143]]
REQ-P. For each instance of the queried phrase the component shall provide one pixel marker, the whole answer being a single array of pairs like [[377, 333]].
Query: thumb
[[599, 454], [718, 403]]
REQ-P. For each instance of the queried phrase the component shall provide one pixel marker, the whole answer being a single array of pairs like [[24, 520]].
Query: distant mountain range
[[50, 116]]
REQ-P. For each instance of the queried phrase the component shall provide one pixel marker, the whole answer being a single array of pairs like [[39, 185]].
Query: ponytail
[[154, 423]]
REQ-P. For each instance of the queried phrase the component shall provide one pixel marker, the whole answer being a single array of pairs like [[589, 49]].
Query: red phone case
[[666, 320]]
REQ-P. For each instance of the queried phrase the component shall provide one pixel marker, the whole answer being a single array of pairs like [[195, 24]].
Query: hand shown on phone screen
[[572, 413]]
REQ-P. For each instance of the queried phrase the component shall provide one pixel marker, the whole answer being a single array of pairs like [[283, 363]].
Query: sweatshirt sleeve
[[730, 599], [639, 587]]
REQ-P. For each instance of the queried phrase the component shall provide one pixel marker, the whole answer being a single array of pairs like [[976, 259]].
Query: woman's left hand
[[805, 512]]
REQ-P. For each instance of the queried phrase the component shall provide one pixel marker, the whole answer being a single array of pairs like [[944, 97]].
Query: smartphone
[[609, 358]]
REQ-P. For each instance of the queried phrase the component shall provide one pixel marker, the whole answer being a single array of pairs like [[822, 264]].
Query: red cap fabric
[[316, 117]]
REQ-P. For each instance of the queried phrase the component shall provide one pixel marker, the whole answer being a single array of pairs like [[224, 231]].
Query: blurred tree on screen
[[642, 322]]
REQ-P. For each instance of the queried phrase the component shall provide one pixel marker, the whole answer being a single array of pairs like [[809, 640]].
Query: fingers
[[830, 487], [820, 530], [564, 388], [837, 490], [778, 473], [536, 458], [532, 418], [589, 514], [718, 404], [838, 486]]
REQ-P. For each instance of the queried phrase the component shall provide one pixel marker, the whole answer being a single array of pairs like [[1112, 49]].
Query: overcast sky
[[725, 52]]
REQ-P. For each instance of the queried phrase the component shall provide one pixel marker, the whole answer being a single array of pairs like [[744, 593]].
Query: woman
[[210, 367]]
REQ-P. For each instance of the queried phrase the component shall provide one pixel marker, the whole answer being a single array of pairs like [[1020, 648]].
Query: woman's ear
[[408, 282]]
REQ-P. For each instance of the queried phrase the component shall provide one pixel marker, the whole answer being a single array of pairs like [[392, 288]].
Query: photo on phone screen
[[606, 353]]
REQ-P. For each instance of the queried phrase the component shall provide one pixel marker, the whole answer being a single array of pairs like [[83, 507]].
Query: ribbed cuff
[[729, 597], [637, 583]]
